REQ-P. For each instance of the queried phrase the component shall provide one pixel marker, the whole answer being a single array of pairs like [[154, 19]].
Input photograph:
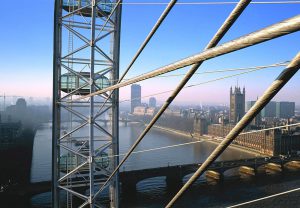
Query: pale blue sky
[[27, 33]]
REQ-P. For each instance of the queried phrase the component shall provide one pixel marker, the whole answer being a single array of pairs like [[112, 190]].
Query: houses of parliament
[[273, 142]]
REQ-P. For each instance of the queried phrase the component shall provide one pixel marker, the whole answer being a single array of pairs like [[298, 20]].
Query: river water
[[154, 192]]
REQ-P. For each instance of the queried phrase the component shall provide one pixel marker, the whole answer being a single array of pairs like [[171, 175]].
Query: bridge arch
[[233, 171], [292, 165], [274, 168]]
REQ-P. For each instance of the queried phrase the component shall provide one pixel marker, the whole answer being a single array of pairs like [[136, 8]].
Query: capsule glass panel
[[71, 82], [104, 7]]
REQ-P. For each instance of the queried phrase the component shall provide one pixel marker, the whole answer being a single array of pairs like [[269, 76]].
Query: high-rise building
[[237, 104], [18, 112], [257, 120], [135, 96], [152, 102], [269, 110], [200, 125], [249, 105], [285, 109]]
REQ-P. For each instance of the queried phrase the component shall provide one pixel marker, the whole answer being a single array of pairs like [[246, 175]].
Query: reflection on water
[[194, 153], [154, 192], [154, 187]]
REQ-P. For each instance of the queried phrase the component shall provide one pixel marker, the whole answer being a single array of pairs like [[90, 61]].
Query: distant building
[[223, 119], [151, 111], [285, 109], [279, 110], [21, 105], [9, 135], [237, 104], [152, 102], [174, 112], [269, 110], [213, 115], [249, 105], [200, 126], [144, 111], [139, 111], [28, 115], [144, 105], [135, 96], [272, 142], [257, 120], [184, 113], [18, 112]]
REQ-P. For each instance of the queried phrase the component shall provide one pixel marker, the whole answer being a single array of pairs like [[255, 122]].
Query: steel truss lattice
[[86, 59]]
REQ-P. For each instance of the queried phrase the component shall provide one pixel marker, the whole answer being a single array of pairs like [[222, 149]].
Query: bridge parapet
[[214, 175], [246, 170], [274, 167], [293, 164], [174, 174]]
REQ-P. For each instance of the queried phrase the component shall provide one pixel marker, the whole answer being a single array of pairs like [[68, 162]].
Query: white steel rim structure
[[86, 59]]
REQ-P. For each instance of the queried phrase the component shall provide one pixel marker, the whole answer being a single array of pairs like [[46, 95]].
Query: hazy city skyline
[[74, 140], [28, 69]]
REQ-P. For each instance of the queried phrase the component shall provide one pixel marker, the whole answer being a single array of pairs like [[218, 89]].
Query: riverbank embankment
[[209, 139]]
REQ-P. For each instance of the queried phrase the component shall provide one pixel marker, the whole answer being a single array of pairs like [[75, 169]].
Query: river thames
[[153, 192]]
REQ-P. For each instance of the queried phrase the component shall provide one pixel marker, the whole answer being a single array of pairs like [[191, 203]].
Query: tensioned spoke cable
[[159, 148], [142, 47], [258, 68], [194, 85], [206, 3], [229, 70], [283, 63], [170, 100], [214, 41], [108, 18], [277, 30], [150, 35], [264, 198], [268, 129], [196, 142], [197, 84], [267, 96]]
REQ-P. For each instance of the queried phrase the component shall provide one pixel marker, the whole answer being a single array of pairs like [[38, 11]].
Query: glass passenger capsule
[[104, 7], [71, 82]]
